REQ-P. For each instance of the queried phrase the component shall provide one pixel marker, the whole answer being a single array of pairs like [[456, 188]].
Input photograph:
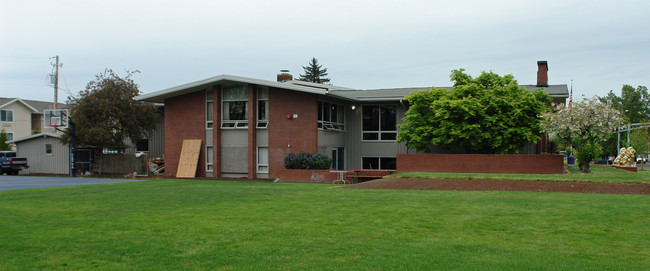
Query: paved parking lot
[[26, 182]]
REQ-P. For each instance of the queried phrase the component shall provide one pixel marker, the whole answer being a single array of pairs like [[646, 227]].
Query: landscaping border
[[482, 163]]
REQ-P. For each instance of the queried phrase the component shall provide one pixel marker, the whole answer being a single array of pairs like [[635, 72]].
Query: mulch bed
[[501, 185]]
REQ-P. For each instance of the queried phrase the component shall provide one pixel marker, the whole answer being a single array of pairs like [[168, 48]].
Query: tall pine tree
[[315, 72]]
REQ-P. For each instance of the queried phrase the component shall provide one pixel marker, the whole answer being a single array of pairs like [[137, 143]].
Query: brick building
[[248, 125]]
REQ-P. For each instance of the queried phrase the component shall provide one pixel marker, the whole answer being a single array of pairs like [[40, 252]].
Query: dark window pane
[[371, 118], [388, 136], [237, 110], [388, 163], [388, 118], [320, 110], [262, 110], [370, 136], [370, 163], [334, 117], [326, 111]]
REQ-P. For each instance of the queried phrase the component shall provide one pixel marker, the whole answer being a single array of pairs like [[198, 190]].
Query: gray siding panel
[[41, 163]]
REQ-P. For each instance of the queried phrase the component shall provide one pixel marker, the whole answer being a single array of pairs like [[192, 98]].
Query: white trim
[[257, 160], [22, 102], [34, 136]]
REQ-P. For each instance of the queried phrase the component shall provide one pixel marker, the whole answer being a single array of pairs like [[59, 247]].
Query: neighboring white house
[[45, 154], [22, 118]]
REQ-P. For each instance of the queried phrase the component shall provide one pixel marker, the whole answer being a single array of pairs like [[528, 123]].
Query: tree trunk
[[585, 167]]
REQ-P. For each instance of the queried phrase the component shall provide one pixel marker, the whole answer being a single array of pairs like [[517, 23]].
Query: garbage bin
[[571, 160]]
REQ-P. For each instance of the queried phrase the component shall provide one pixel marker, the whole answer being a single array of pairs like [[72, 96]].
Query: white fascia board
[[35, 136], [159, 96], [22, 102]]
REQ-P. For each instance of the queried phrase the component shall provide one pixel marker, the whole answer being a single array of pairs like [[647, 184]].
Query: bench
[[359, 174]]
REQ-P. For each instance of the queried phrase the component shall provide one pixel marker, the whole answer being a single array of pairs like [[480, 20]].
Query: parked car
[[641, 160], [11, 164]]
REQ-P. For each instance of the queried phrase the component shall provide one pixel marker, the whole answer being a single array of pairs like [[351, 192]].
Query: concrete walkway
[[25, 182]]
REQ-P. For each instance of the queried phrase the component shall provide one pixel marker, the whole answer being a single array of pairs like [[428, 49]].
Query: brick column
[[216, 131], [252, 131]]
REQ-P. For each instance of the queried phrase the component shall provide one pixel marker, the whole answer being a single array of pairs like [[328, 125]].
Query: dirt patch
[[501, 185]]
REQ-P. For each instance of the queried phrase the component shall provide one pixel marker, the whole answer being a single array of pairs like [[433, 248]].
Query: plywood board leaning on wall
[[189, 158]]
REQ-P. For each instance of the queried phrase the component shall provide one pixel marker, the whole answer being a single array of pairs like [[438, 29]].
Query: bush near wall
[[307, 161]]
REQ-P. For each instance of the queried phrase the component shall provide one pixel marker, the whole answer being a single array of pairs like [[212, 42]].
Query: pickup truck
[[11, 164]]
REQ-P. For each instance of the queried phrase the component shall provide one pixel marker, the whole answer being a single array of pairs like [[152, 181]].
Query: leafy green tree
[[4, 146], [487, 114], [583, 125], [315, 73], [106, 113], [634, 104], [640, 141]]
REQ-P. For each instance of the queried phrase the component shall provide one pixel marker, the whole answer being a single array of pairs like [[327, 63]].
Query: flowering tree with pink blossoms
[[584, 125]]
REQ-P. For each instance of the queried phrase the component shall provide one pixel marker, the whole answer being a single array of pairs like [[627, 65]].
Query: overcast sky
[[600, 45]]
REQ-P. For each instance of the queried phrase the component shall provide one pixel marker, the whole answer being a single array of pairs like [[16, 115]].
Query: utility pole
[[56, 81]]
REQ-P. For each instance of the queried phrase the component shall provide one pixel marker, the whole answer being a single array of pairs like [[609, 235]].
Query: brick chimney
[[542, 74], [284, 76]]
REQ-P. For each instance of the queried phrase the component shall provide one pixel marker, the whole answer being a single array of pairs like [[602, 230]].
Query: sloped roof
[[33, 137], [36, 106], [356, 95]]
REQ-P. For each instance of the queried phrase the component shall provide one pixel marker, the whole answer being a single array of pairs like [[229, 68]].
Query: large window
[[379, 122], [235, 107], [262, 159], [262, 108], [7, 115], [384, 163], [209, 106], [331, 116]]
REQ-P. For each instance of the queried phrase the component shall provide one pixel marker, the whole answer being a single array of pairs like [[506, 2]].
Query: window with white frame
[[262, 108], [262, 159], [379, 122], [209, 106], [209, 159], [10, 136], [6, 115], [331, 116], [235, 107], [383, 163], [48, 148]]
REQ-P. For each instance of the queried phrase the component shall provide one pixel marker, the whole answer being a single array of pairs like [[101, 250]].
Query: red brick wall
[[184, 119], [306, 175], [301, 133], [481, 163], [252, 132]]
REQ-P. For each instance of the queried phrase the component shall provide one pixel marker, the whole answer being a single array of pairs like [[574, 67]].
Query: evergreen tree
[[315, 72], [3, 141]]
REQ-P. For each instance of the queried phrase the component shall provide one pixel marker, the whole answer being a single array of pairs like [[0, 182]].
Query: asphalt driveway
[[25, 182]]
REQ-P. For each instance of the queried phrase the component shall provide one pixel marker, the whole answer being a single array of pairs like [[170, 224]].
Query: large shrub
[[307, 161]]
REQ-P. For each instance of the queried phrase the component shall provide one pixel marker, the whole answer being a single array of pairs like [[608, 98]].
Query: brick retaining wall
[[482, 163], [306, 175]]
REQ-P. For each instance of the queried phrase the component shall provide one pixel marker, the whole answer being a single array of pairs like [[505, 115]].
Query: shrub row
[[307, 161]]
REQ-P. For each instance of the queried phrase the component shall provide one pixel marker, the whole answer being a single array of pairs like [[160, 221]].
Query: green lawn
[[600, 174], [218, 225]]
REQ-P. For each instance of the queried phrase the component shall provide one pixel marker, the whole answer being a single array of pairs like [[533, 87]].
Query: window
[[209, 106], [379, 122], [48, 148], [208, 159], [338, 158], [262, 159], [262, 108], [235, 107], [384, 163], [331, 116], [6, 115], [142, 145], [10, 136]]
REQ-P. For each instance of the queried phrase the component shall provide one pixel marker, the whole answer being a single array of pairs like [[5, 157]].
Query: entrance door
[[338, 158]]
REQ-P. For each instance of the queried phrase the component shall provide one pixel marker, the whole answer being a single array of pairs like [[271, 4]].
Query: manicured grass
[[600, 174], [217, 225]]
